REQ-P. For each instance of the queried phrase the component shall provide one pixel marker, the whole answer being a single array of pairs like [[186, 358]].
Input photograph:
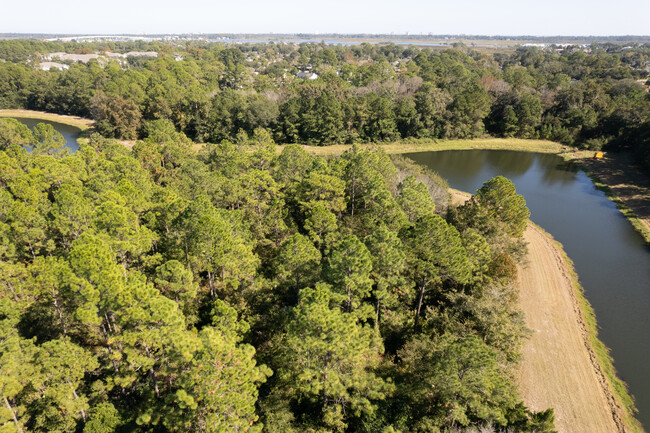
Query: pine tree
[[328, 358], [348, 270], [297, 263], [436, 256]]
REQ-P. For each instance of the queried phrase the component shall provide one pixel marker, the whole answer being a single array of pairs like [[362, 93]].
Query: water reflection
[[554, 172], [448, 163], [510, 164], [70, 133]]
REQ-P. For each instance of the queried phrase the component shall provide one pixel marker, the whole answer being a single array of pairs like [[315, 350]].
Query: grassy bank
[[430, 145], [616, 386], [76, 122]]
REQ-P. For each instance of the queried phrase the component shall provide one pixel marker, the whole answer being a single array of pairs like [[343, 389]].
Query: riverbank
[[430, 145], [77, 122], [564, 365], [622, 182]]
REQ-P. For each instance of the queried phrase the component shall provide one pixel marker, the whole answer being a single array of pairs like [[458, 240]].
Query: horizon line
[[301, 34]]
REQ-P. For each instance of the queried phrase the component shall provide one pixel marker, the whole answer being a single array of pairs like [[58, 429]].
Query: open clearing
[[427, 145]]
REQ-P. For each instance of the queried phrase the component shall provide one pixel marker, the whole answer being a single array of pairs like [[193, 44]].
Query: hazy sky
[[496, 17]]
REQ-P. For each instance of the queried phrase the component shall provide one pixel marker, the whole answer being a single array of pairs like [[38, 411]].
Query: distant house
[[141, 54], [307, 75], [53, 56], [85, 58], [46, 66]]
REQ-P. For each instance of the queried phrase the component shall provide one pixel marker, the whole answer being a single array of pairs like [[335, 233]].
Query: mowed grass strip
[[78, 122], [430, 145]]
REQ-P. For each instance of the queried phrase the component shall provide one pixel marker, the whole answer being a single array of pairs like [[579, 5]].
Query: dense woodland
[[364, 93], [237, 289], [162, 290]]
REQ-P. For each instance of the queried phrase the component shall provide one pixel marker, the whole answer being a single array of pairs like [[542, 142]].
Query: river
[[70, 133], [611, 259]]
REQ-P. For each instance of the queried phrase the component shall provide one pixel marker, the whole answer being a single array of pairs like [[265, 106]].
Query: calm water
[[70, 133], [610, 257]]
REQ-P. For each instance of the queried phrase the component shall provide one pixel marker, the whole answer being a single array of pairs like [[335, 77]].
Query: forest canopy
[[159, 289]]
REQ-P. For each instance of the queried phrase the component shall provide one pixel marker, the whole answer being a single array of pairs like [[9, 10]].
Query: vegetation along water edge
[[640, 223], [78, 122], [627, 187]]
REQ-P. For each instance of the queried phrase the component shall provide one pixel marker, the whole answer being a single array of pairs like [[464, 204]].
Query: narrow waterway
[[611, 259], [70, 133]]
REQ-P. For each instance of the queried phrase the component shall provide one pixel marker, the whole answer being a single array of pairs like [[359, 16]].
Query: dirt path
[[559, 368]]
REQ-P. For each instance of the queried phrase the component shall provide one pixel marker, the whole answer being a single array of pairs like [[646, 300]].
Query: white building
[[85, 58], [306, 75], [46, 66]]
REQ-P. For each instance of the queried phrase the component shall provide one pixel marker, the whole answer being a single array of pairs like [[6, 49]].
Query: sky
[[475, 17]]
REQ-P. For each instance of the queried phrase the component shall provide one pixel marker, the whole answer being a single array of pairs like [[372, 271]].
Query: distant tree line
[[364, 93]]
